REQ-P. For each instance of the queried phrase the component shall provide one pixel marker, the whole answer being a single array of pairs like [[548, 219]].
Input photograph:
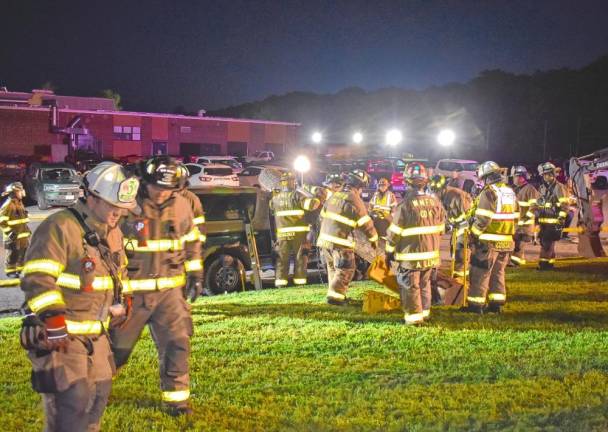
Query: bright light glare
[[317, 137], [446, 137], [394, 137], [357, 137], [301, 164]]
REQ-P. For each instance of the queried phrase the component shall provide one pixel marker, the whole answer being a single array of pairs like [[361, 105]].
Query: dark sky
[[210, 54]]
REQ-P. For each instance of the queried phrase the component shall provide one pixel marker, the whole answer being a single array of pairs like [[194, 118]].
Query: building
[[48, 126]]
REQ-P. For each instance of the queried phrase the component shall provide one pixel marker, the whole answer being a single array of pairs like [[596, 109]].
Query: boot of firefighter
[[545, 265], [472, 308]]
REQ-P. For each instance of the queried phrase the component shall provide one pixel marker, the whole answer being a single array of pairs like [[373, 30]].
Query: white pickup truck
[[462, 172]]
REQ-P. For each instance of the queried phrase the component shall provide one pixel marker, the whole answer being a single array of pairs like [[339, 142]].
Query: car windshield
[[218, 171], [57, 174], [470, 166]]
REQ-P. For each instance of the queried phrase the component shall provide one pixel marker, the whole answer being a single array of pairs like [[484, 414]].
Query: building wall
[[27, 131]]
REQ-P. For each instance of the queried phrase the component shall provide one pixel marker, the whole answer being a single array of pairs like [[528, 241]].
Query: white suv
[[462, 172], [261, 155], [231, 161]]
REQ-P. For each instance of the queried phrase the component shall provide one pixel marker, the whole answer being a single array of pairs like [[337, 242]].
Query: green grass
[[283, 360]]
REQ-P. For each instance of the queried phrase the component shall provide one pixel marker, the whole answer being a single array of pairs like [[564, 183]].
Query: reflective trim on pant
[[286, 247], [415, 289], [414, 318], [497, 298], [340, 271], [487, 274], [299, 281], [280, 282], [175, 396]]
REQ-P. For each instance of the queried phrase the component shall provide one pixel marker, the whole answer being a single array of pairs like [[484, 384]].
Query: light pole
[[446, 138]]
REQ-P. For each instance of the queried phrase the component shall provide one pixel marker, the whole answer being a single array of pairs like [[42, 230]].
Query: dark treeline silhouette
[[496, 115]]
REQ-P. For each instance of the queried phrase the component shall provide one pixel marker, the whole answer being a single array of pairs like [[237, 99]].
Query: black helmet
[[357, 178], [438, 183], [164, 172], [333, 178], [415, 174]]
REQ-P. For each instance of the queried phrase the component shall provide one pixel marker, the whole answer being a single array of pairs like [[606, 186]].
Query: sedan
[[211, 175]]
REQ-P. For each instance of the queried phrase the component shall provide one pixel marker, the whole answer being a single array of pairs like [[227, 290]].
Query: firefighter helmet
[[519, 170], [546, 168], [438, 183], [333, 178], [288, 180], [164, 172], [111, 182], [415, 174], [487, 168], [357, 178], [13, 187]]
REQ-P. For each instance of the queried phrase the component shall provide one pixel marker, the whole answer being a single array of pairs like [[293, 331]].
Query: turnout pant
[[487, 275], [548, 235], [15, 254], [75, 385], [459, 270], [415, 292], [300, 247], [518, 256], [168, 315], [340, 271]]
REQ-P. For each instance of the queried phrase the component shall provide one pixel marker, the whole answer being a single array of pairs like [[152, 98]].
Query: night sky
[[211, 54]]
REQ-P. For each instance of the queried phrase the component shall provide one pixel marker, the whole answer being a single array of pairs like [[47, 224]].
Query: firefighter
[[333, 183], [383, 201], [69, 276], [342, 213], [551, 211], [16, 233], [413, 241], [495, 213], [526, 200], [456, 204], [290, 207], [165, 267]]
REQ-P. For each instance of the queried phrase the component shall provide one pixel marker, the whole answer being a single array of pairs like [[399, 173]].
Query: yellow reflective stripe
[[86, 327], [548, 205], [162, 245], [198, 220], [478, 300], [280, 282], [338, 218], [46, 299], [483, 212], [337, 240], [336, 295], [202, 238], [562, 214], [459, 218], [17, 221], [281, 213], [476, 231], [363, 220], [518, 259], [417, 256], [461, 273], [299, 281], [373, 238], [395, 229], [549, 260], [523, 203], [414, 318], [505, 216], [389, 248], [72, 281], [497, 297], [563, 199], [549, 220], [426, 313], [133, 285], [460, 231], [381, 207], [6, 229], [526, 222], [294, 229], [176, 395], [496, 237], [435, 229], [193, 265], [530, 215], [50, 267], [23, 235], [308, 203], [3, 218], [193, 235]]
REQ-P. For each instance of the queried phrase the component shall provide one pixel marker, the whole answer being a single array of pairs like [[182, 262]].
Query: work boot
[[472, 308], [178, 410], [544, 266], [494, 308], [336, 302]]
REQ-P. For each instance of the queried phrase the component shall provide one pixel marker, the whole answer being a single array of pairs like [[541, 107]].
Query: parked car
[[261, 155], [236, 166], [53, 184], [462, 172], [211, 175], [249, 176]]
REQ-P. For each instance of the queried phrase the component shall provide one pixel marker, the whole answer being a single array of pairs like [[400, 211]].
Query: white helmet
[[111, 182], [487, 168], [13, 187]]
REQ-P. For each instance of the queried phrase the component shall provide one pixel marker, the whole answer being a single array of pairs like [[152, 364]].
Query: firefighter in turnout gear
[[495, 214], [527, 196], [383, 201], [413, 241], [165, 267], [15, 232], [456, 204], [71, 278], [342, 213], [290, 207], [551, 211], [333, 183]]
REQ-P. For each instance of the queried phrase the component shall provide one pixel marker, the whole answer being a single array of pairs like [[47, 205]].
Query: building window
[[127, 133], [185, 129]]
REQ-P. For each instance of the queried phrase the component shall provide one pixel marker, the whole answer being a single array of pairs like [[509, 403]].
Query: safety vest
[[502, 213], [553, 204], [383, 202]]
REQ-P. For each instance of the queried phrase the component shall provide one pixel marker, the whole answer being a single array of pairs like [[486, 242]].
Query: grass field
[[281, 360]]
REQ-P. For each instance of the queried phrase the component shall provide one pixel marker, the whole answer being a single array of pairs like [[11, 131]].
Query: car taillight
[[205, 178]]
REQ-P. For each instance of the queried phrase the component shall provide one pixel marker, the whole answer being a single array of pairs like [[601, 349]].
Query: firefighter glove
[[12, 236], [32, 335], [194, 288]]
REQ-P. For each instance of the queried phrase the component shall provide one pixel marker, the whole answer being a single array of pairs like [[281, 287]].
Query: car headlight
[[50, 187]]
